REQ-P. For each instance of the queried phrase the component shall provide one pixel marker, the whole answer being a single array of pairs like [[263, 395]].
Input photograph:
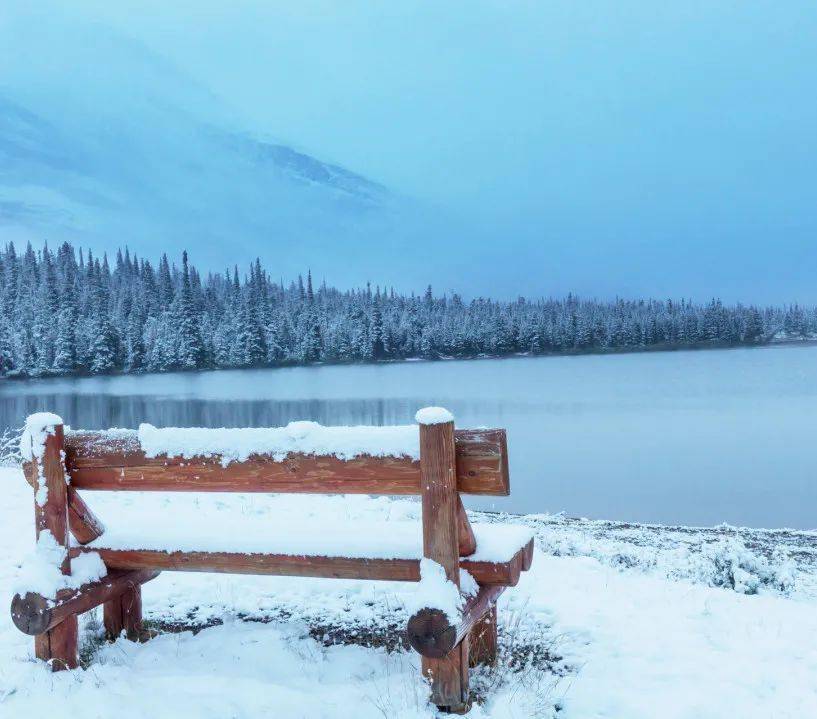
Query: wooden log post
[[448, 675], [123, 613], [57, 646]]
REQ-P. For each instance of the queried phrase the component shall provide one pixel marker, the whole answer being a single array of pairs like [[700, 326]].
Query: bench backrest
[[118, 461]]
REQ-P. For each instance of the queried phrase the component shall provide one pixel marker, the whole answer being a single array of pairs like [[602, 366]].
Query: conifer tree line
[[65, 312]]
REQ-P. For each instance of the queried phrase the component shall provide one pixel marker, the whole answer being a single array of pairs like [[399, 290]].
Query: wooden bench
[[442, 464]]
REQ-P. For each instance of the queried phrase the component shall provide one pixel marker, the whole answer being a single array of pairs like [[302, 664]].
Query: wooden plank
[[83, 523], [430, 632], [447, 673], [98, 462], [504, 573], [398, 570], [57, 646], [35, 614]]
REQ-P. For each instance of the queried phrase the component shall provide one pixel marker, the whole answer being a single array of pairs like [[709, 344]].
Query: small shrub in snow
[[731, 564], [10, 448]]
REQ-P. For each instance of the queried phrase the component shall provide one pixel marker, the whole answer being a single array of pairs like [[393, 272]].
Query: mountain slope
[[115, 145]]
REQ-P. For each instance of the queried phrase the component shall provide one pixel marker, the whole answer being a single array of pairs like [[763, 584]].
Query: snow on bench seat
[[362, 548]]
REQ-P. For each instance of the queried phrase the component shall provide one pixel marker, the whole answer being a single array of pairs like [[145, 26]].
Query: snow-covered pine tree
[[67, 311], [189, 345]]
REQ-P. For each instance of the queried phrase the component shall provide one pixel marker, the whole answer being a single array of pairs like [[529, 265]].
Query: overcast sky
[[647, 147]]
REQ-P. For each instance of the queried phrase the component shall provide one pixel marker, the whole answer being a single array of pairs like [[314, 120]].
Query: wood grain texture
[[448, 678], [440, 500], [123, 613], [98, 462], [447, 673], [465, 533], [484, 640], [52, 515], [83, 523], [34, 614], [431, 634], [504, 573], [57, 646]]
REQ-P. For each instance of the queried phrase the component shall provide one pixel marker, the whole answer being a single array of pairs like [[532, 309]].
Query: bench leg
[[449, 680], [58, 646], [484, 640], [124, 613]]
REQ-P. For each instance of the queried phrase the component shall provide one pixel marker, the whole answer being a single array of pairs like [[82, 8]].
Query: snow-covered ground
[[613, 620]]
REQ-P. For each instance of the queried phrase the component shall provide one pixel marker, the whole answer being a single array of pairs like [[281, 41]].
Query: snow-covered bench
[[461, 568]]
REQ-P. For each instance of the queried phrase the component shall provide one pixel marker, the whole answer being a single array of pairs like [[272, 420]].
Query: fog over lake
[[678, 437]]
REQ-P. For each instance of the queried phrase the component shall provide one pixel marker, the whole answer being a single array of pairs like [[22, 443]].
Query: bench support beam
[[447, 675], [34, 614], [484, 640], [83, 523], [57, 646], [123, 613]]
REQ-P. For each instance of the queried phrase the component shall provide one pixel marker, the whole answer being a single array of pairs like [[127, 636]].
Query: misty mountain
[[109, 144], [177, 179]]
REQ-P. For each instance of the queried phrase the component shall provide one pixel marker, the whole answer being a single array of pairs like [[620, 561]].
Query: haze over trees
[[64, 312]]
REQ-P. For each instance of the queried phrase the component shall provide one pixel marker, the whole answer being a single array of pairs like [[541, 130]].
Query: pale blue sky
[[614, 146]]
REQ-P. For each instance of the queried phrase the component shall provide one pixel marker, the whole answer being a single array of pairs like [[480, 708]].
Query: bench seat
[[363, 549]]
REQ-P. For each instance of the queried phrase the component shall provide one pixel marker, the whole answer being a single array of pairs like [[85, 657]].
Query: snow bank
[[236, 445], [40, 572], [433, 415]]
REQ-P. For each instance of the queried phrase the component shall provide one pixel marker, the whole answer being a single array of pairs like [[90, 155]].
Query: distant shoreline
[[653, 349]]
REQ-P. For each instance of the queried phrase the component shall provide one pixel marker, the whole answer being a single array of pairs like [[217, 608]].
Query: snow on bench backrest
[[303, 457]]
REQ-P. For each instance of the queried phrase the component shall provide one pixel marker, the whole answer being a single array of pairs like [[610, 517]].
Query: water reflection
[[681, 437], [102, 411]]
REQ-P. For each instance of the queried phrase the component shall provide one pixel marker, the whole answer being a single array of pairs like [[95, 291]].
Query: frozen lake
[[679, 437]]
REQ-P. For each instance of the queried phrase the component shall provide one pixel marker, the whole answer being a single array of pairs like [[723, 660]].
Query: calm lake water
[[682, 437]]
